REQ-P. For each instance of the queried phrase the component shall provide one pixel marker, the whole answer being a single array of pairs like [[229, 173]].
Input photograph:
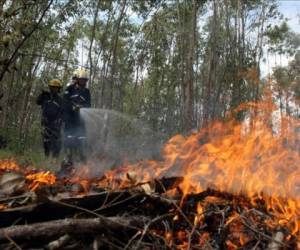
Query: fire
[[41, 178], [199, 216], [258, 158], [35, 179], [82, 177], [2, 207], [9, 165]]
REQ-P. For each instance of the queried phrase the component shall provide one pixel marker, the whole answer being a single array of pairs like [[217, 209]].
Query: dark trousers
[[75, 141], [75, 148], [52, 141]]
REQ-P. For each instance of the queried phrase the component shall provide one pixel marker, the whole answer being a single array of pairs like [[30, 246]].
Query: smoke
[[114, 138]]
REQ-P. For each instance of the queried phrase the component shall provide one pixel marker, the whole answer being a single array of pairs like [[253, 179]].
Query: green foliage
[[140, 58], [278, 33], [282, 77], [282, 40]]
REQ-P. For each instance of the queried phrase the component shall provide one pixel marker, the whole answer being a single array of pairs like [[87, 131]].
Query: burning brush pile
[[231, 186]]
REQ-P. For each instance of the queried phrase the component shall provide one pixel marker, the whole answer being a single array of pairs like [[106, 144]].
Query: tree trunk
[[212, 69], [114, 56], [26, 100], [188, 83], [259, 46], [92, 40]]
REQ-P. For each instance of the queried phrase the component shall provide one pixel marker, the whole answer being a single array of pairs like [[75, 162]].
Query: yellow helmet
[[55, 83], [82, 74]]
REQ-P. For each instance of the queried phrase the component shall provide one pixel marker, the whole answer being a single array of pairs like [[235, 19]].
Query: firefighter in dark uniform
[[76, 96], [52, 114]]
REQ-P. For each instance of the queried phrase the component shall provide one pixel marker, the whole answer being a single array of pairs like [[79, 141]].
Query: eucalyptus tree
[[176, 64]]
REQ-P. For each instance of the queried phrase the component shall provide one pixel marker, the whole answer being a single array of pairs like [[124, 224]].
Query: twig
[[109, 205], [183, 215], [256, 245], [96, 243], [260, 233], [132, 239], [111, 202], [56, 244], [88, 211], [77, 207], [190, 236], [105, 200], [147, 227], [244, 219], [109, 242], [11, 240], [6, 199]]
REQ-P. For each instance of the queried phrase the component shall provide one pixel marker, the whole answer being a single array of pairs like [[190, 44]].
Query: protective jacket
[[74, 131], [75, 98], [52, 114], [52, 109]]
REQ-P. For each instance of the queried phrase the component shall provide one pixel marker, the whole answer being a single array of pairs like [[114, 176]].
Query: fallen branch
[[106, 203], [70, 226]]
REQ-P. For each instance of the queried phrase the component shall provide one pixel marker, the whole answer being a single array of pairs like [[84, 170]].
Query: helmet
[[82, 74], [55, 83]]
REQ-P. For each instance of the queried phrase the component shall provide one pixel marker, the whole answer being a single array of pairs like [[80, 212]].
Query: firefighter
[[52, 111], [76, 96]]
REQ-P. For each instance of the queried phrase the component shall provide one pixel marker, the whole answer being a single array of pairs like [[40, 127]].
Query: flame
[[82, 177], [199, 216], [231, 245], [9, 165], [2, 207], [34, 179], [169, 238], [41, 178], [258, 157]]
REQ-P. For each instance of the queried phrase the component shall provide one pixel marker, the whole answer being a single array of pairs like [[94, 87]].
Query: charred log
[[138, 217]]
